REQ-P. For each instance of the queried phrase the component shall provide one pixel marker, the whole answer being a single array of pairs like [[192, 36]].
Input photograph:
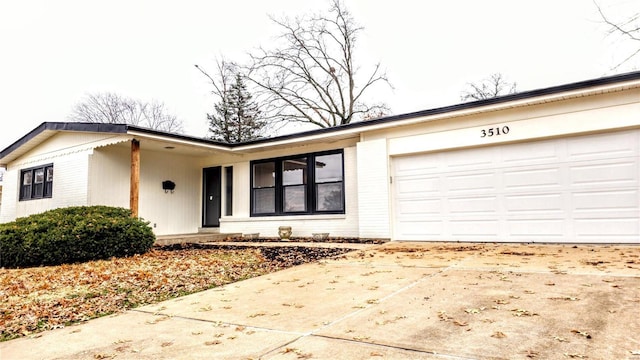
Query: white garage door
[[577, 189]]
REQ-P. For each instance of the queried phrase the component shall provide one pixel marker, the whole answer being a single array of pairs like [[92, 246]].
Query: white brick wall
[[373, 189], [168, 213], [69, 186], [9, 196]]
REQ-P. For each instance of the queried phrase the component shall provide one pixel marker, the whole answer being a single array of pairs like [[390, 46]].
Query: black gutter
[[99, 128], [57, 126], [179, 136], [463, 106]]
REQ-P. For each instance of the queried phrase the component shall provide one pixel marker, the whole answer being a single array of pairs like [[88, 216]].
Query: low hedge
[[73, 234]]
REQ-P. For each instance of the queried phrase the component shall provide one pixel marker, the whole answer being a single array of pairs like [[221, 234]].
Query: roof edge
[[126, 129], [144, 130], [580, 85], [63, 126]]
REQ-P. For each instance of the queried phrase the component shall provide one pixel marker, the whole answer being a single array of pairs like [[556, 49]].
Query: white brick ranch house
[[559, 164]]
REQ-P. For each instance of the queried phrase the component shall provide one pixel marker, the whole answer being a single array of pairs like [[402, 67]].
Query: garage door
[[577, 189]]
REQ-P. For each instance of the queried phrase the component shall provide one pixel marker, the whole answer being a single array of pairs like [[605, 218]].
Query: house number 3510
[[494, 131]]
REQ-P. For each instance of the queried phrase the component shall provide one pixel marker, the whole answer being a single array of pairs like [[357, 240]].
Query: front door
[[211, 202]]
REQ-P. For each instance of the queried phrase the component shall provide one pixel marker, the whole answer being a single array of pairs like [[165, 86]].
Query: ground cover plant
[[42, 298]]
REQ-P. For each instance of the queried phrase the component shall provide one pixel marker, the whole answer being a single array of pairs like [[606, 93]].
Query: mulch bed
[[339, 240]]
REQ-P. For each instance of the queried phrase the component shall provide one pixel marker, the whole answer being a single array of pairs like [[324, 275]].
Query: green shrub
[[73, 234]]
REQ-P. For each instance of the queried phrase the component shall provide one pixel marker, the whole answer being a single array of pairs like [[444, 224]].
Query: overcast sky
[[54, 52]]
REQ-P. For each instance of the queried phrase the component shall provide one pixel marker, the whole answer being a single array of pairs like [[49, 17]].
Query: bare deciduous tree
[[627, 27], [313, 76], [493, 86], [112, 108]]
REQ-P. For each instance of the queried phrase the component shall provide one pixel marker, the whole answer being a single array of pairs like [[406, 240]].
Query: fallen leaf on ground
[[360, 338], [583, 333], [460, 322], [104, 356], [443, 316], [475, 310], [575, 356], [522, 312], [531, 353], [498, 335], [66, 294]]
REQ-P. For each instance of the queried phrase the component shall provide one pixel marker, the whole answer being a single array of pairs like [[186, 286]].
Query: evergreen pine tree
[[237, 116]]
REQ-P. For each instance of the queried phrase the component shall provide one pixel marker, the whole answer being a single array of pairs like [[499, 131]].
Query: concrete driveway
[[395, 301]]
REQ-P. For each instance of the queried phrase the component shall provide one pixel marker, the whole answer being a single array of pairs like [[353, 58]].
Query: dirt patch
[[411, 248], [517, 253], [285, 255], [338, 240]]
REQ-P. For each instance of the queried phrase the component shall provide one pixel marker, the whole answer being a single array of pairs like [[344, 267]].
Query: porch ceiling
[[164, 144]]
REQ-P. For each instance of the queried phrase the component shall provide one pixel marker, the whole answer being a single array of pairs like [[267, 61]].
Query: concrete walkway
[[395, 301]]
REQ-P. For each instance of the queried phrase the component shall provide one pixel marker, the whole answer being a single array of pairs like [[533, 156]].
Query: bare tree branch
[[493, 86], [628, 28], [112, 108], [311, 77]]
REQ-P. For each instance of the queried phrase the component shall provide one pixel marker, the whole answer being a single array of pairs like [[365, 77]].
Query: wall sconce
[[168, 185]]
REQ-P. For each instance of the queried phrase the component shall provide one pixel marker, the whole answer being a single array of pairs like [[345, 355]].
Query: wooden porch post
[[134, 185]]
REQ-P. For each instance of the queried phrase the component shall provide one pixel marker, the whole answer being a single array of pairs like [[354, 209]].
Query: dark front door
[[211, 202]]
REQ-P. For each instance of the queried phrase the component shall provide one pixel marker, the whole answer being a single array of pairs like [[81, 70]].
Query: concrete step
[[194, 238]]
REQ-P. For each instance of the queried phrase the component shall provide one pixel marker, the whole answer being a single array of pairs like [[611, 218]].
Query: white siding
[[9, 196], [168, 213], [241, 190], [373, 189], [171, 213], [70, 175], [109, 176], [69, 153], [73, 142]]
